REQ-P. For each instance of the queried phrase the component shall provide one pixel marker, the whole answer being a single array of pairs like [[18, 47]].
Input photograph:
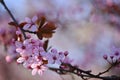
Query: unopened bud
[[105, 57], [116, 53]]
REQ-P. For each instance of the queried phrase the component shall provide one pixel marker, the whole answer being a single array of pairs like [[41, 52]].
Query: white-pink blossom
[[31, 24], [38, 68]]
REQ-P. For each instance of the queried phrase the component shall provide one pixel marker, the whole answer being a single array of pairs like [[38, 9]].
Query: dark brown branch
[[85, 75], [29, 31], [106, 70]]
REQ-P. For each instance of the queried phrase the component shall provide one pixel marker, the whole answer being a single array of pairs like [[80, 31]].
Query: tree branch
[[85, 75], [13, 18]]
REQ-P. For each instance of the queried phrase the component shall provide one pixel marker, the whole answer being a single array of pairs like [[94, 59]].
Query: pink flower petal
[[33, 28], [19, 50], [20, 59], [26, 64], [43, 53], [28, 20], [54, 51], [34, 19], [34, 71], [27, 26], [43, 68], [26, 42], [40, 72], [33, 65]]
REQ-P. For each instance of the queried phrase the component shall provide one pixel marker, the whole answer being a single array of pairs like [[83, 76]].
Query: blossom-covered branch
[[35, 54]]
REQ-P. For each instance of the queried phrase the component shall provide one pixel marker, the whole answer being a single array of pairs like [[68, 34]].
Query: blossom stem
[[106, 70], [13, 18]]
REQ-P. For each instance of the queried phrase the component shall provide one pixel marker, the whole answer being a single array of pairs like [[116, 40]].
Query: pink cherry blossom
[[21, 59], [56, 57], [38, 68], [23, 49], [33, 55], [31, 24], [114, 58], [38, 51]]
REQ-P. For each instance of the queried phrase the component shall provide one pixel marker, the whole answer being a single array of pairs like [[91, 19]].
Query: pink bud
[[66, 53], [105, 57], [8, 59], [54, 50], [111, 57], [116, 53], [60, 53], [18, 32]]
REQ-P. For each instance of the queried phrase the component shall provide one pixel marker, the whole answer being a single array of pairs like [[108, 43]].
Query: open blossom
[[23, 49], [26, 61], [38, 68], [21, 59], [31, 24]]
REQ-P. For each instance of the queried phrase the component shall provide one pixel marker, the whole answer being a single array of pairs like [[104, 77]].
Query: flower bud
[[105, 57], [8, 59], [111, 57], [116, 53]]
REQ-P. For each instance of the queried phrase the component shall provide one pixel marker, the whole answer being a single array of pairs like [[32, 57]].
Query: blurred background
[[88, 29]]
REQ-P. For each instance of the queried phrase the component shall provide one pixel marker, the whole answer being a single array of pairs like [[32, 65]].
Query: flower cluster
[[33, 52], [31, 24], [114, 59], [34, 56]]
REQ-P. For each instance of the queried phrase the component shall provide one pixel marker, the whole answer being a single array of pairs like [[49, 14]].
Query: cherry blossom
[[114, 58], [56, 57], [34, 54], [38, 68], [23, 49], [31, 24]]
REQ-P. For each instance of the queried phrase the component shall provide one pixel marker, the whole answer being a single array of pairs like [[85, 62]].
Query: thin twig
[[13, 18], [87, 74], [29, 31], [105, 71]]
